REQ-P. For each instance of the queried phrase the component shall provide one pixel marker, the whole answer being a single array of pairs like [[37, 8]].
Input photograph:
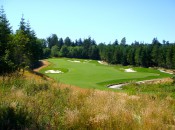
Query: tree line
[[153, 54], [22, 49]]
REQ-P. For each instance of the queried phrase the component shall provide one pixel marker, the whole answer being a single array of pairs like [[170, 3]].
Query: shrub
[[14, 117]]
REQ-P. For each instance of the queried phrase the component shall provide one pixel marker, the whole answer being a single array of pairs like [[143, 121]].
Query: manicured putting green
[[92, 74]]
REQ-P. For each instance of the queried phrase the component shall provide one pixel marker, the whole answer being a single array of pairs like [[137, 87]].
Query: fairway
[[92, 74]]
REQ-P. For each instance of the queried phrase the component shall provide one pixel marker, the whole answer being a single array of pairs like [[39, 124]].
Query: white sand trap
[[54, 71], [165, 72], [129, 70], [76, 61], [102, 62], [118, 86]]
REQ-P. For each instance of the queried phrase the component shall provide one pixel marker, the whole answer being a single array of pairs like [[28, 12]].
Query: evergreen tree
[[137, 57], [80, 42], [20, 41], [93, 52], [117, 55], [22, 25], [173, 57], [53, 40], [27, 50], [123, 41], [162, 57], [5, 37], [124, 56], [115, 42], [130, 56], [67, 41], [60, 43], [102, 49], [155, 51], [169, 57]]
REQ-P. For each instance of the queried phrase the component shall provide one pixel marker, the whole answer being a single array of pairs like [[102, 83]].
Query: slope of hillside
[[32, 102]]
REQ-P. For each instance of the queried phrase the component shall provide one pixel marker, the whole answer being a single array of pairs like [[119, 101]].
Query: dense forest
[[22, 49]]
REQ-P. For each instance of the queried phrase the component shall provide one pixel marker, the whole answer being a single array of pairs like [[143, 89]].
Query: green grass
[[94, 75]]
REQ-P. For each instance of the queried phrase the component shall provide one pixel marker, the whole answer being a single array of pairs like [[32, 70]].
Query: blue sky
[[103, 20]]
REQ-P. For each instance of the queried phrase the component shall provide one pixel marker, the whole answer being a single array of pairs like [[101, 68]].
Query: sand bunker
[[118, 86], [54, 71], [102, 62], [129, 70], [76, 61], [165, 72]]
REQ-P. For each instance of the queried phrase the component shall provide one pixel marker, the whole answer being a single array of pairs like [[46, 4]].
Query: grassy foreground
[[91, 74], [33, 103]]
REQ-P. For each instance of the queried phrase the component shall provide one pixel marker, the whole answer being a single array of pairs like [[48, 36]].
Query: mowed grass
[[91, 74]]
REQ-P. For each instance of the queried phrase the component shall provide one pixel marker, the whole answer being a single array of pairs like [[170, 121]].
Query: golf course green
[[93, 74]]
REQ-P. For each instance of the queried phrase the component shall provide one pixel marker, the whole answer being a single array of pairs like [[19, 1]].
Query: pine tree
[[22, 25], [123, 41], [27, 50], [169, 57], [67, 41], [5, 36], [155, 48], [20, 41], [115, 42], [52, 41], [173, 57], [130, 56], [60, 43]]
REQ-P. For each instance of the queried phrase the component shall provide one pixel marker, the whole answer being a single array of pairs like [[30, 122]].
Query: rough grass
[[91, 74], [162, 90], [40, 104]]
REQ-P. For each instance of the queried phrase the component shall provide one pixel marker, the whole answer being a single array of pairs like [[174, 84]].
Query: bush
[[14, 118]]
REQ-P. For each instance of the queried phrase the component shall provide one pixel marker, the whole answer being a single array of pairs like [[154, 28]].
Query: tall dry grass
[[39, 104]]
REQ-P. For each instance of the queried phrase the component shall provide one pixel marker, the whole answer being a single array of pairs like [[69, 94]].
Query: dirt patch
[[44, 64]]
